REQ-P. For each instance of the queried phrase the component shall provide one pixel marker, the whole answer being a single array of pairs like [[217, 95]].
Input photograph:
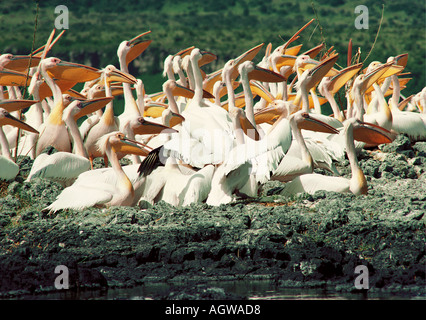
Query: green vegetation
[[224, 27]]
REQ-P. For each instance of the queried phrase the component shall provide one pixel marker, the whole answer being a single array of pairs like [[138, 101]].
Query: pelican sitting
[[357, 184], [298, 159], [88, 192]]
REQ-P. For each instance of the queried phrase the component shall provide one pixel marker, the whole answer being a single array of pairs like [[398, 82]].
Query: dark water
[[253, 290]]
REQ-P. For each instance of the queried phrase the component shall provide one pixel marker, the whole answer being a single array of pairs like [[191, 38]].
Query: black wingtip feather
[[151, 162]]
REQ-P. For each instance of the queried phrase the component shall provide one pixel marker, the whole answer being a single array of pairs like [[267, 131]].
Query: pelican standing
[[53, 132], [107, 122], [8, 168], [127, 51]]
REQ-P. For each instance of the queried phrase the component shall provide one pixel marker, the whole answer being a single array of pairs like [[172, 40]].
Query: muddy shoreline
[[308, 241]]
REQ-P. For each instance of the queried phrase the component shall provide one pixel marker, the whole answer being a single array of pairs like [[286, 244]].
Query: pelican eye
[[141, 120], [120, 136]]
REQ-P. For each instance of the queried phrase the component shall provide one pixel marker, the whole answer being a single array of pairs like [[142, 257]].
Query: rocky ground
[[306, 241]]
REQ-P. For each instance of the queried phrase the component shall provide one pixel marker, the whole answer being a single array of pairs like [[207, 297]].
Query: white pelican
[[15, 106], [250, 157], [206, 134], [232, 175], [176, 184], [107, 122], [308, 80], [65, 167], [229, 178], [177, 68], [383, 115], [310, 183], [18, 63], [329, 86], [53, 132], [34, 117], [127, 51], [8, 168], [89, 192], [170, 116], [249, 71], [108, 175], [362, 83], [298, 160], [410, 123], [168, 68]]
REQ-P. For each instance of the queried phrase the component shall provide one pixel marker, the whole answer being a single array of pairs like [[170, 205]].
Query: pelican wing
[[409, 123], [264, 163], [81, 197], [60, 166], [310, 183], [198, 187], [154, 184], [290, 167]]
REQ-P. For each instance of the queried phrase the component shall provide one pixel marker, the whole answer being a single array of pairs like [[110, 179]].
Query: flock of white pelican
[[206, 137]]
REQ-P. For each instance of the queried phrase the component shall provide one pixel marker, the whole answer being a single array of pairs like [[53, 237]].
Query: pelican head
[[196, 54], [49, 62], [186, 62], [246, 66], [219, 88], [374, 65], [203, 57], [302, 60], [308, 121], [323, 85], [276, 108], [67, 99], [142, 126], [111, 74], [228, 68], [168, 65], [177, 63], [177, 89], [5, 59], [117, 142], [7, 119], [255, 72], [35, 83], [96, 91], [171, 118], [129, 50], [78, 109], [69, 71], [368, 132], [72, 109]]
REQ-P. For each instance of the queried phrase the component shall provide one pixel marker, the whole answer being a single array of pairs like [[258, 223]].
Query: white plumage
[[88, 190], [62, 167]]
